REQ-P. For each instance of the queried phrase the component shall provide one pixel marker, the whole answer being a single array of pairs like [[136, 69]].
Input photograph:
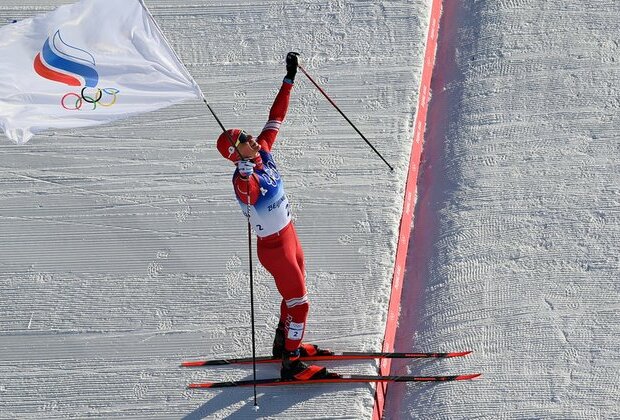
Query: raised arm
[[278, 111]]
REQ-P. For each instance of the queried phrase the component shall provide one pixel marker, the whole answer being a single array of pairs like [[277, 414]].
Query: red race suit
[[278, 247]]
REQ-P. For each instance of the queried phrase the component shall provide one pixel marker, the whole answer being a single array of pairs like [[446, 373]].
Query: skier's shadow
[[271, 400]]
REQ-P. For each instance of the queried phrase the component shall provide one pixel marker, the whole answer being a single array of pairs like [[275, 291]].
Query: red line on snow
[[408, 205]]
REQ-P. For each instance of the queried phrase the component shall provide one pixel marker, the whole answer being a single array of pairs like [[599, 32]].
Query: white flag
[[84, 64]]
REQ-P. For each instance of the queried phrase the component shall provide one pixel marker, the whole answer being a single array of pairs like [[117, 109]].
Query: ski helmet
[[224, 146], [227, 149]]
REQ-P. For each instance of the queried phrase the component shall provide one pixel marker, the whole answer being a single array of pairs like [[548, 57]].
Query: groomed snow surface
[[123, 251], [517, 233]]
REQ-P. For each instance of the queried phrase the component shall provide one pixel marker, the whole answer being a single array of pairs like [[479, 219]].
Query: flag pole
[[232, 143], [230, 139], [176, 56]]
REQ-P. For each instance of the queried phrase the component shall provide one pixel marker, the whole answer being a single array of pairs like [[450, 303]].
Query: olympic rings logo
[[105, 97]]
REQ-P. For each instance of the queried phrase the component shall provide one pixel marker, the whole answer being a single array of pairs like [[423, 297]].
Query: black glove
[[291, 65]]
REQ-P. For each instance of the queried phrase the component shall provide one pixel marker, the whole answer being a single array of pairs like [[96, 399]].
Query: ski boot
[[293, 368], [305, 348]]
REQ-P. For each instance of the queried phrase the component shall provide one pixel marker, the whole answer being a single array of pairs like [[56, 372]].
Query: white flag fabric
[[85, 64]]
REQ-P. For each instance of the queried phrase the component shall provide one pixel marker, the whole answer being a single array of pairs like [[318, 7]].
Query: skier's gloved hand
[[291, 66], [246, 168]]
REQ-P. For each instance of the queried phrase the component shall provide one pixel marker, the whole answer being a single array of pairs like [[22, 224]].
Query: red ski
[[334, 379], [326, 358]]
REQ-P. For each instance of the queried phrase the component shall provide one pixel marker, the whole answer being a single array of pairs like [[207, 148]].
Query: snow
[[123, 251], [515, 249]]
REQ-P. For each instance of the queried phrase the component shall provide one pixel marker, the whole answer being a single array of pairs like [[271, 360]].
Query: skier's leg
[[279, 258]]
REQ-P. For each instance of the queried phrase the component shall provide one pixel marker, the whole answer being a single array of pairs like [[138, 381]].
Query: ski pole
[[249, 256], [345, 117], [252, 303]]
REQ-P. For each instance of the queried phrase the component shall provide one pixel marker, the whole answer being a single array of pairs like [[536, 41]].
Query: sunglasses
[[243, 138]]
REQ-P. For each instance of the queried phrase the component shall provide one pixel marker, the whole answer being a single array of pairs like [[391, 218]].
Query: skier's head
[[242, 141]]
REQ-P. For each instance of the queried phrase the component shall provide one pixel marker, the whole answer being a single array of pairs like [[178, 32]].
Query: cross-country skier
[[257, 182]]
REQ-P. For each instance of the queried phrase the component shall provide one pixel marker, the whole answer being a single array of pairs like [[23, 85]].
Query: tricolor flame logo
[[63, 63]]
